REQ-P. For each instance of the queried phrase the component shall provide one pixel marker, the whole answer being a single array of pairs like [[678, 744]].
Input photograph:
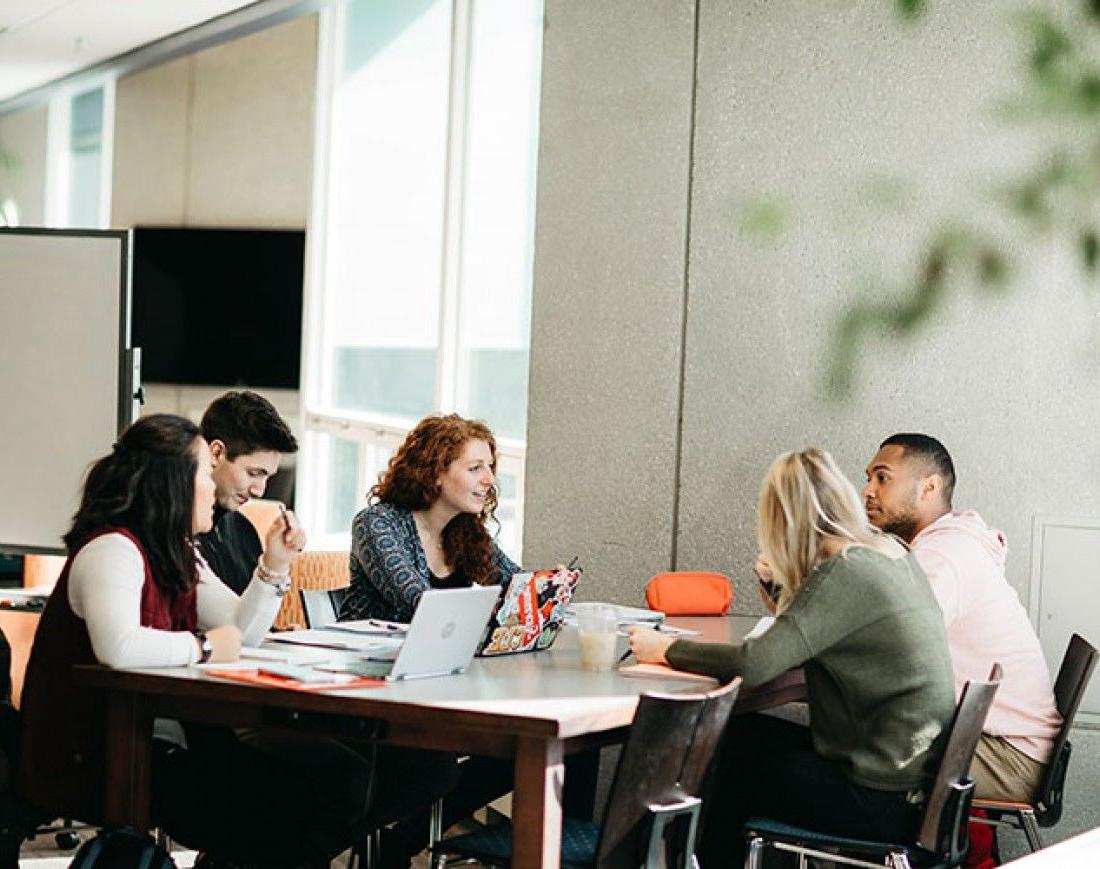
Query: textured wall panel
[[151, 159], [872, 135], [251, 137], [609, 272], [23, 139]]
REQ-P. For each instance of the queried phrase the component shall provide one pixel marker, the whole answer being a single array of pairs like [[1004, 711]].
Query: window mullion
[[58, 160], [106, 152], [313, 463], [448, 361]]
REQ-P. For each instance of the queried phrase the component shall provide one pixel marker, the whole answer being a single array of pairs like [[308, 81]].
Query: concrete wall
[[608, 289], [222, 137], [872, 134], [23, 138], [816, 110]]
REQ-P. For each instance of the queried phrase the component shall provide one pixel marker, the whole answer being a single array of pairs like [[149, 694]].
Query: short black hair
[[931, 452], [246, 423]]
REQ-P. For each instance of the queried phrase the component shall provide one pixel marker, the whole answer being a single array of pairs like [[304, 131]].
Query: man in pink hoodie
[[909, 487]]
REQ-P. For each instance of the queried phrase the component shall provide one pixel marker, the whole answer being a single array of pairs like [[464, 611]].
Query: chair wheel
[[67, 840]]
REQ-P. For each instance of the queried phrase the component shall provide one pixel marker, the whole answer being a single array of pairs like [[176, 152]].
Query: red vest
[[61, 757]]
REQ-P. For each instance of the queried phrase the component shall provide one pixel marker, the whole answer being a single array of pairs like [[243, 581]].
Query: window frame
[[59, 154], [371, 430]]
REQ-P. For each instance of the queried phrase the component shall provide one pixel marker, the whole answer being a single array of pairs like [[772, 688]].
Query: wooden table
[[534, 708]]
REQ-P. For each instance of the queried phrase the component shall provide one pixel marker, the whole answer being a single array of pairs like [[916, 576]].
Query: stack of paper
[[345, 641]]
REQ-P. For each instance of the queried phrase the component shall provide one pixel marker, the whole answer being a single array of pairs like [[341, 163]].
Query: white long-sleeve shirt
[[105, 583]]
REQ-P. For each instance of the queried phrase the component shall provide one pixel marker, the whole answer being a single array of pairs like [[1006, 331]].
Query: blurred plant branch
[[1057, 195]]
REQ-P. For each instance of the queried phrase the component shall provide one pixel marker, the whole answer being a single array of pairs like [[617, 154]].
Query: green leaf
[[1051, 45], [1090, 250], [1089, 92], [764, 218], [910, 10], [992, 267]]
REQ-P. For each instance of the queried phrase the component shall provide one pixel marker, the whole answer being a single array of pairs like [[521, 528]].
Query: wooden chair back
[[1070, 685], [943, 827], [663, 764], [317, 571]]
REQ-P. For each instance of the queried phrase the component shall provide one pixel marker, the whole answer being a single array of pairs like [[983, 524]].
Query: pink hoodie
[[964, 559]]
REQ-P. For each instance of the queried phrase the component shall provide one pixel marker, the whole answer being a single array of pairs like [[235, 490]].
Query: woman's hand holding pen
[[648, 645], [285, 539]]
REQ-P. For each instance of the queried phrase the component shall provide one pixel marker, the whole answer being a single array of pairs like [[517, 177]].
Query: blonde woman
[[855, 610]]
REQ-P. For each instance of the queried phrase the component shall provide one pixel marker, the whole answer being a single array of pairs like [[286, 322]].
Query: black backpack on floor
[[123, 848]]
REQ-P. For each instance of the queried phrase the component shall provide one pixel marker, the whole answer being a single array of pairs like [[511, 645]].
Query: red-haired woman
[[426, 528], [426, 525]]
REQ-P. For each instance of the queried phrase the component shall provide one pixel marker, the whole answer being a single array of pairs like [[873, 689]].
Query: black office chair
[[654, 805], [1045, 809], [321, 605], [942, 840], [18, 820]]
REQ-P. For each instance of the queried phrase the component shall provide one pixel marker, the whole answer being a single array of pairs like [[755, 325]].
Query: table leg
[[129, 743], [536, 804]]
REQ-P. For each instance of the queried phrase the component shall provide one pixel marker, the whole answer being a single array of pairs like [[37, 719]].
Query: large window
[[422, 239], [78, 177]]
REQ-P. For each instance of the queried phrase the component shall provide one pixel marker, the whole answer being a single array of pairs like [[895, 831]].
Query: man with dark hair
[[910, 483], [247, 438]]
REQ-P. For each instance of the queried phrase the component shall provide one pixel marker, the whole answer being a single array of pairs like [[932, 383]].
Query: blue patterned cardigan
[[388, 569]]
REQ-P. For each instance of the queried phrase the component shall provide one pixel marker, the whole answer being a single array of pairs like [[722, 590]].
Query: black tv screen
[[218, 307]]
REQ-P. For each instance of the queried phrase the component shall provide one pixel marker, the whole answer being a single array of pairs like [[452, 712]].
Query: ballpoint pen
[[286, 519]]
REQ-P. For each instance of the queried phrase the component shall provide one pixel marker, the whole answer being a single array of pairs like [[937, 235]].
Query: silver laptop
[[443, 635]]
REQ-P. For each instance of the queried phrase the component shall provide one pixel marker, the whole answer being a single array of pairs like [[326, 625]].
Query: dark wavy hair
[[146, 484], [412, 481]]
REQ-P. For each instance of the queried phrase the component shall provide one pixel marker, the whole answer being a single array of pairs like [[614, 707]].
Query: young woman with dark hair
[[134, 593]]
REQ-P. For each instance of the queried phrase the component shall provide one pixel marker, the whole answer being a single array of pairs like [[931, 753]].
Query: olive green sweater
[[870, 636]]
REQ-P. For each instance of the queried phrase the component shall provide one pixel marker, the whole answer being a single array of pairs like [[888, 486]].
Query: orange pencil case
[[689, 593]]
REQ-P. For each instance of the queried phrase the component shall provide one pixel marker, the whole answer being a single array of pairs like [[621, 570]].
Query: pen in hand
[[626, 654], [286, 519]]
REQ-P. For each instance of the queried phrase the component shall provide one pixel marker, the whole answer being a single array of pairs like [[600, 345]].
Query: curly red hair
[[411, 480]]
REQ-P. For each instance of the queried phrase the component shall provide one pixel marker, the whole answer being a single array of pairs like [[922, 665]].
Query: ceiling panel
[[43, 40]]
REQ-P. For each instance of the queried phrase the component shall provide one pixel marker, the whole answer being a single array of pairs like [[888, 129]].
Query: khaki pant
[[1003, 772]]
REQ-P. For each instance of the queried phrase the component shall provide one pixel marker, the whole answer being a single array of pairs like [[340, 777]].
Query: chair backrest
[[312, 570], [1069, 687], [943, 827], [321, 607], [664, 762]]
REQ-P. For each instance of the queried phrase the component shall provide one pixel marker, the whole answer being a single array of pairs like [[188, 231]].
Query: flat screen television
[[218, 307]]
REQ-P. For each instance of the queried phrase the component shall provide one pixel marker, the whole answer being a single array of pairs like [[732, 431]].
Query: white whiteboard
[[64, 373]]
